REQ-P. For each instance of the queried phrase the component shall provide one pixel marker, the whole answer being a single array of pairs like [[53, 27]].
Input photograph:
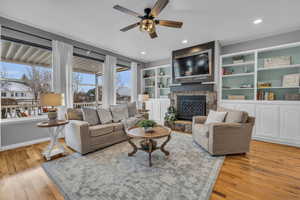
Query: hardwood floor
[[268, 172]]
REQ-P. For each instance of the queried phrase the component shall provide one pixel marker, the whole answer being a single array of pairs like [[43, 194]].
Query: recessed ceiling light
[[184, 41], [143, 53], [257, 21]]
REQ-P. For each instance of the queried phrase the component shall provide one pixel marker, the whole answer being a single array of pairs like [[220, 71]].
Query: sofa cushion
[[101, 129], [235, 116], [117, 126], [201, 135], [74, 114], [90, 115], [119, 112], [215, 117], [130, 122], [104, 116], [132, 111]]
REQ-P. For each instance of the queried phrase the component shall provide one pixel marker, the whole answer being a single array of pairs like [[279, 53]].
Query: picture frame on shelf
[[291, 80]]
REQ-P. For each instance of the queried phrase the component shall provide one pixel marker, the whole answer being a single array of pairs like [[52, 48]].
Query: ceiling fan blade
[[168, 23], [158, 7], [127, 11], [130, 27], [153, 35]]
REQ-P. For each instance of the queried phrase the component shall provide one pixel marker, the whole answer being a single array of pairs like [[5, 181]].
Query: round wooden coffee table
[[148, 143]]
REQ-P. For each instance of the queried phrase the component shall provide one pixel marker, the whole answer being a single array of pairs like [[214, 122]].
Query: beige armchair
[[226, 137]]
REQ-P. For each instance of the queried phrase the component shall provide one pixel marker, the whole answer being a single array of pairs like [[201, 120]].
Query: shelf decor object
[[291, 80], [277, 61]]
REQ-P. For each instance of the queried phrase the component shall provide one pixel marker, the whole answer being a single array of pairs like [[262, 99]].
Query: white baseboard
[[23, 144], [277, 141]]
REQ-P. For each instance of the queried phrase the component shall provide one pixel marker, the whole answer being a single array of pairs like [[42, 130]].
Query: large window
[[25, 74], [123, 85], [87, 82]]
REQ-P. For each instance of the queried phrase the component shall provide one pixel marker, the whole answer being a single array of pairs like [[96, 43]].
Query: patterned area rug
[[188, 173]]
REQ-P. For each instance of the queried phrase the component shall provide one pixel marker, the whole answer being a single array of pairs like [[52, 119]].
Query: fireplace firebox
[[189, 106]]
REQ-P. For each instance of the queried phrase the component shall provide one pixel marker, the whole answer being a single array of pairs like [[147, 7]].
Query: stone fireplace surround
[[211, 98]]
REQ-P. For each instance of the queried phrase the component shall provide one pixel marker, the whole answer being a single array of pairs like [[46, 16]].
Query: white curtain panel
[[134, 81], [62, 59], [109, 83]]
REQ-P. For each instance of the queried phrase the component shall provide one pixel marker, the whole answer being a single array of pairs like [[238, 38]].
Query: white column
[[62, 60], [109, 88], [134, 82]]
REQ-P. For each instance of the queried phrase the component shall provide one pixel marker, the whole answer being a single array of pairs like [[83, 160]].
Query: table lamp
[[143, 98], [52, 99]]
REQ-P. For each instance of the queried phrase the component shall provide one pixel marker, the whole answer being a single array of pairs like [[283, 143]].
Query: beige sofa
[[84, 137], [233, 136]]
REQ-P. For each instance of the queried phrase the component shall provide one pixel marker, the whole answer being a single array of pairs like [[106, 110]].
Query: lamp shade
[[52, 99], [143, 97]]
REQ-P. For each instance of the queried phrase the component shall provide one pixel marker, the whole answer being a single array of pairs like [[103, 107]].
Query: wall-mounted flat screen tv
[[193, 65]]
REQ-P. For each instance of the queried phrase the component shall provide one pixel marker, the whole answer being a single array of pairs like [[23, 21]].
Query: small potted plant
[[171, 117], [147, 125]]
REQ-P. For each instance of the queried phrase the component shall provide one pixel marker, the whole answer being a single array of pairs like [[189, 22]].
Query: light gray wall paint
[[270, 41], [158, 63], [274, 40]]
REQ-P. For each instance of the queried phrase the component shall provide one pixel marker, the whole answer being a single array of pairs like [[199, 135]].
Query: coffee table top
[[47, 124], [158, 132]]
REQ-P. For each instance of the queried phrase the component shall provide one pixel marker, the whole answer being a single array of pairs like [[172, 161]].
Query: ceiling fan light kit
[[148, 22]]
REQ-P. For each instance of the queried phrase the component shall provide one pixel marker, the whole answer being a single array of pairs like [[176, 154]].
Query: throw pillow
[[104, 116], [234, 116], [90, 115], [74, 114], [215, 117], [132, 111], [119, 112]]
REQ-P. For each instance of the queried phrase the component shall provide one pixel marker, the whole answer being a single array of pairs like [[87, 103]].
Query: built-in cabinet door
[[249, 108], [150, 108], [267, 120], [164, 105], [228, 105], [290, 123], [156, 111]]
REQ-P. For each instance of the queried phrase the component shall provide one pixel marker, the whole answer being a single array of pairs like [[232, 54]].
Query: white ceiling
[[97, 23]]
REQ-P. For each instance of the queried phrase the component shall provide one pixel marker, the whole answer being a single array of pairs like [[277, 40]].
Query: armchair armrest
[[199, 119], [229, 138], [77, 135], [226, 125]]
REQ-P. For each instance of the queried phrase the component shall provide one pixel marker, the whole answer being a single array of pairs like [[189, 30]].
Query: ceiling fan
[[148, 21]]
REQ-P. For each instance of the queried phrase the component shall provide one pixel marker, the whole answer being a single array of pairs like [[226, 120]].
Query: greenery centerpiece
[[147, 125]]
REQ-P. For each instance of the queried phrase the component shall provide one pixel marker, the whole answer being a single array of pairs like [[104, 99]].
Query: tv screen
[[196, 65]]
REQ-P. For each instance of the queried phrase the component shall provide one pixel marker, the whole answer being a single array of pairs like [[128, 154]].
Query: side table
[[54, 129]]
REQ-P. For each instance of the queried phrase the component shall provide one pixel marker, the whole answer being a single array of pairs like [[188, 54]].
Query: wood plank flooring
[[268, 172]]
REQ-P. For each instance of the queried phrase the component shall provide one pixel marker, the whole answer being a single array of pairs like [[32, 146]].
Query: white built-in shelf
[[279, 87], [164, 88], [279, 67], [239, 64], [208, 83], [238, 88], [151, 77], [165, 76], [241, 74]]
